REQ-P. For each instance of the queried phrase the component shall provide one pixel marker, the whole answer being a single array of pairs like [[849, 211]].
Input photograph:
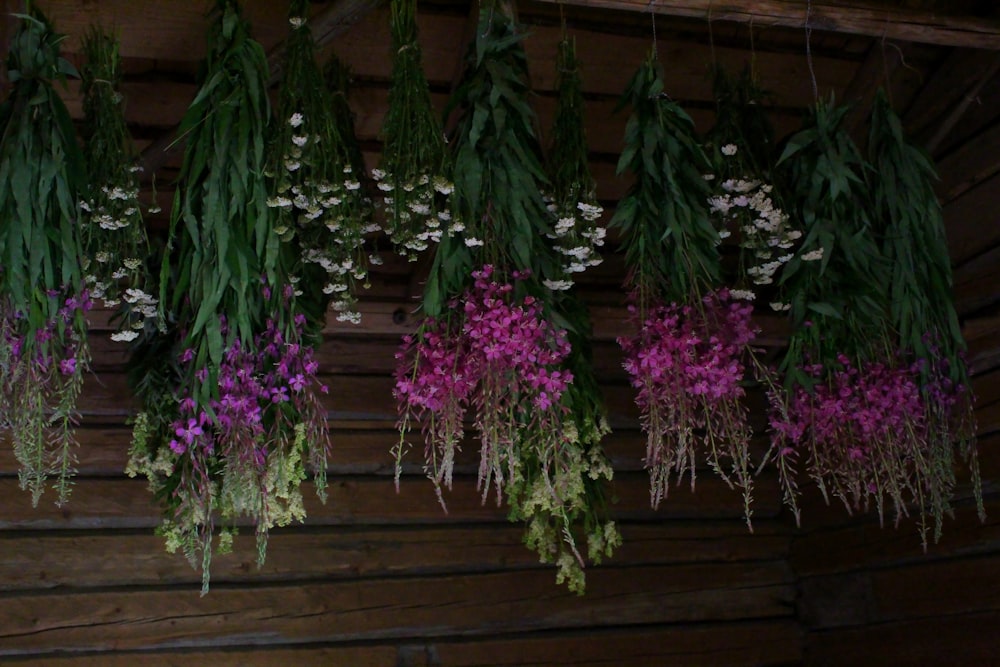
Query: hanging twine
[[809, 57], [652, 15]]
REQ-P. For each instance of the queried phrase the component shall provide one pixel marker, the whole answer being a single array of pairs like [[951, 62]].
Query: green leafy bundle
[[851, 406], [230, 417], [545, 457], [573, 195], [907, 217], [686, 358], [316, 189], [114, 237], [415, 172], [671, 247], [835, 283], [43, 330]]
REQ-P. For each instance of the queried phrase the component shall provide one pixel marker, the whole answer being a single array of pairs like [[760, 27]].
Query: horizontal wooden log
[[127, 503], [159, 29], [372, 609], [860, 18], [747, 643], [943, 588], [975, 282], [261, 656], [965, 639], [864, 544], [972, 223], [103, 452], [72, 560], [972, 163]]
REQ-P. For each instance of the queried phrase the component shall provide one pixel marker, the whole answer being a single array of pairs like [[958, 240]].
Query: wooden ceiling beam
[[326, 25], [860, 18]]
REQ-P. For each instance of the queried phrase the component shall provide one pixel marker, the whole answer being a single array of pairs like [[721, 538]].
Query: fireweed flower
[[687, 365], [501, 358], [862, 429]]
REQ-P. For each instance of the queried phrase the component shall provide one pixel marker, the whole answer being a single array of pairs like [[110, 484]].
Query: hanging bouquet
[[414, 175], [686, 359], [489, 343], [231, 416], [852, 405], [114, 237], [315, 170], [573, 195], [907, 217], [43, 301], [744, 204]]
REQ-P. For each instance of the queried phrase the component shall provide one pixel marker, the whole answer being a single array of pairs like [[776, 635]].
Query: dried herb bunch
[[907, 217], [231, 416], [316, 171], [414, 175], [573, 194], [43, 330], [114, 237], [490, 342], [686, 359], [851, 408], [744, 204]]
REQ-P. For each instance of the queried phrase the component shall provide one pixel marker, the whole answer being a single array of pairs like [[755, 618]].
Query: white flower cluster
[[416, 211], [328, 217], [116, 208], [577, 237], [765, 233], [113, 231]]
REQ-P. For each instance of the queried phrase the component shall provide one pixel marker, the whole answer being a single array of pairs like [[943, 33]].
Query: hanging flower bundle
[[316, 185], [686, 360], [907, 217], [414, 176], [573, 194], [744, 204], [231, 416], [853, 410], [43, 301], [114, 237], [488, 344]]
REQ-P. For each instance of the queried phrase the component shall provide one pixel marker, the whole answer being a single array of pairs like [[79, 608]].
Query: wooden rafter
[[857, 18]]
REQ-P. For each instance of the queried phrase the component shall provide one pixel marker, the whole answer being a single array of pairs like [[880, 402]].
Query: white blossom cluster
[[327, 216], [577, 237], [416, 211], [115, 238], [765, 233]]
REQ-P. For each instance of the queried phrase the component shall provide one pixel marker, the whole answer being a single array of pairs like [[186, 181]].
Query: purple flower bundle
[[862, 426], [493, 353], [687, 365], [264, 391], [41, 374]]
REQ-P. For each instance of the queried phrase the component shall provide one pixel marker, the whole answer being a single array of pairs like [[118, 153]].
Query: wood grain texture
[[88, 559], [357, 500], [963, 639], [370, 609], [854, 18], [754, 643]]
